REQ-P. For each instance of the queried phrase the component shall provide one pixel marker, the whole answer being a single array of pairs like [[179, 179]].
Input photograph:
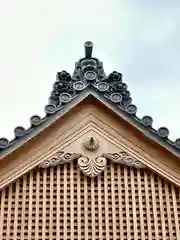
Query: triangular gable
[[88, 77], [68, 138], [89, 86]]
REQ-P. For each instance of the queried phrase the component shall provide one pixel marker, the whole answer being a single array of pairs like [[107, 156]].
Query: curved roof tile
[[89, 74]]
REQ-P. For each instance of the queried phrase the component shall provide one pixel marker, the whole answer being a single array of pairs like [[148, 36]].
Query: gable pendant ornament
[[92, 167], [91, 162]]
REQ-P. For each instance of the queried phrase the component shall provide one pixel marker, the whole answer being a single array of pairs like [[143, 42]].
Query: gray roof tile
[[89, 74]]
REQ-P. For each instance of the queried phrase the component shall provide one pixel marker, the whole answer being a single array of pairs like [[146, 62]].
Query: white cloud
[[39, 38]]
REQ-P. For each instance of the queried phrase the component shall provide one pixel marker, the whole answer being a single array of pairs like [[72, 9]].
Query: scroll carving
[[59, 158], [124, 158], [92, 166]]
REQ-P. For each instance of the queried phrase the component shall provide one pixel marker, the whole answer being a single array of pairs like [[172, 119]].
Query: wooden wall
[[62, 203]]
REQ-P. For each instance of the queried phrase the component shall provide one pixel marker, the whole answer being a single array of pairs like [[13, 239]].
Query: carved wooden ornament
[[92, 167], [59, 158], [92, 164], [124, 158]]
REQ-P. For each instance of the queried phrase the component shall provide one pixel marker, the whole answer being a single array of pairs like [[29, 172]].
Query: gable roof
[[89, 80]]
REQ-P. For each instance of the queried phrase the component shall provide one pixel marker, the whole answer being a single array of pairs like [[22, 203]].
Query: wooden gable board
[[66, 133]]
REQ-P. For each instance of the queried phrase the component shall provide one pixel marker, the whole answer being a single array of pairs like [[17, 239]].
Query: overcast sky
[[139, 39]]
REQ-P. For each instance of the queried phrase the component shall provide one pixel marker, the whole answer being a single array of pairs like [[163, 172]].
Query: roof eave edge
[[83, 95]]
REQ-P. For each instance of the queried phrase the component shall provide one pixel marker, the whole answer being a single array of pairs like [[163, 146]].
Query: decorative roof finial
[[89, 73], [88, 49]]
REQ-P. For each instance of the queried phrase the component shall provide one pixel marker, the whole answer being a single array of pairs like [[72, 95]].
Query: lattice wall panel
[[62, 203]]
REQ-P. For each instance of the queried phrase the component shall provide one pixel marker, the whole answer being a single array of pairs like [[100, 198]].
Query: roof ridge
[[89, 73]]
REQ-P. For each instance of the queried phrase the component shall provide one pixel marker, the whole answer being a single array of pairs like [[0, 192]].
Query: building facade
[[90, 169]]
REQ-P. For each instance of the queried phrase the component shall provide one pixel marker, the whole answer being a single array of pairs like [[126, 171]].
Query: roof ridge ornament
[[88, 49], [89, 73]]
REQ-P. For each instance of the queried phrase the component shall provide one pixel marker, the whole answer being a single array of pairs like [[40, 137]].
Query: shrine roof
[[89, 79]]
